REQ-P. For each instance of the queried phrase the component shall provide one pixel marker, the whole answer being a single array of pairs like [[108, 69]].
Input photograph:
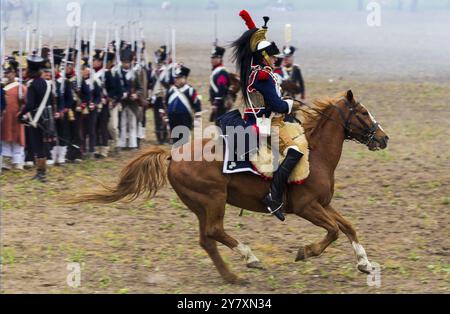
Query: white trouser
[[128, 129], [113, 125], [141, 131], [15, 151], [59, 154]]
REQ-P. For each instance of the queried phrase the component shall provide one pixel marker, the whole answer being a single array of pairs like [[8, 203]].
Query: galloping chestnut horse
[[205, 190]]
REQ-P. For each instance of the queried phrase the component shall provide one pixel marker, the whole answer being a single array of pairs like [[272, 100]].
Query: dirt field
[[397, 199]]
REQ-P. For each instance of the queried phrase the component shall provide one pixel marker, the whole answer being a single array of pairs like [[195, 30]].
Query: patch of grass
[[338, 194], [299, 286], [77, 255], [114, 239], [324, 273], [8, 256], [176, 204], [273, 282], [446, 201], [146, 262], [384, 156], [371, 200], [114, 257], [439, 268], [434, 184], [167, 226], [397, 267], [413, 256], [5, 205], [123, 291], [349, 273], [149, 205], [308, 268], [360, 155], [105, 282]]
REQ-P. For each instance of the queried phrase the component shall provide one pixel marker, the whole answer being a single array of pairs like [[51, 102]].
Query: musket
[[105, 57], [36, 27], [118, 62], [288, 33], [20, 71], [78, 58], [91, 54], [216, 37], [27, 40], [174, 51], [142, 50], [52, 64], [39, 48], [2, 50], [64, 70]]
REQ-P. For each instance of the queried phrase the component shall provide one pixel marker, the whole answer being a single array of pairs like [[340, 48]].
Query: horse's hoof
[[256, 265], [300, 255], [365, 268]]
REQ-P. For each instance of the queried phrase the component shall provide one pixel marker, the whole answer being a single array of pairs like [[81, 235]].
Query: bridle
[[367, 134]]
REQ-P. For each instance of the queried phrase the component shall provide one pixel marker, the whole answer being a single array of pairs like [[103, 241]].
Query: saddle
[[261, 160], [266, 163]]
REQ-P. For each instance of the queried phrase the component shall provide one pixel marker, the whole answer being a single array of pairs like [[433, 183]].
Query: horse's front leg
[[363, 263], [317, 215]]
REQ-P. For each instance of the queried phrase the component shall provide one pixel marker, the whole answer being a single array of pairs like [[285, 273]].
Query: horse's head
[[360, 125]]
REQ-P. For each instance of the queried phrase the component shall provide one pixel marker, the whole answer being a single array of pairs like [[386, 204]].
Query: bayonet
[[52, 64], [63, 72], [91, 54], [20, 70], [216, 37], [174, 51], [78, 59], [105, 57], [287, 34], [27, 40]]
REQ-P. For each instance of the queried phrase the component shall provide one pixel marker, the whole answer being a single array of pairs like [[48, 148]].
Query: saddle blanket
[[263, 162]]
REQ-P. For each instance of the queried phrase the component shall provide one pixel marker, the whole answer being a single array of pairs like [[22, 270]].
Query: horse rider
[[255, 57]]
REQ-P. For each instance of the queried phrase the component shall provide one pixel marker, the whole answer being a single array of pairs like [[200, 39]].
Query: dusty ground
[[397, 199]]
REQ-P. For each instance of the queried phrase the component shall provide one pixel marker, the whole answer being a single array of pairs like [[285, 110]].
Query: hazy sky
[[413, 44]]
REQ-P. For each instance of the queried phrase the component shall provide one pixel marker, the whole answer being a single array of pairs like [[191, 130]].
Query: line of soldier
[[105, 110]]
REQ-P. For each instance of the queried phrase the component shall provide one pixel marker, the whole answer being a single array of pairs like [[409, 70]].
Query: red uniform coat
[[12, 130]]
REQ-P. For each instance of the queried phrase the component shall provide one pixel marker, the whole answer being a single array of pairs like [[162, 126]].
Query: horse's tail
[[144, 175]]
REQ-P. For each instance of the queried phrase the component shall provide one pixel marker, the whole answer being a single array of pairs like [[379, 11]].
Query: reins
[[346, 122]]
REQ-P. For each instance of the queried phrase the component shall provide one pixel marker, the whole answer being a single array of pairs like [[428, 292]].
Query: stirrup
[[277, 212]]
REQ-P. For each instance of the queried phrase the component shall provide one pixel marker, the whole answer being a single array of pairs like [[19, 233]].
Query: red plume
[[248, 19]]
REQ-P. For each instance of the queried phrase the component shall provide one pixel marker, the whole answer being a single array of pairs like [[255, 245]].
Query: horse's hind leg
[[317, 215], [363, 262], [215, 230], [210, 246]]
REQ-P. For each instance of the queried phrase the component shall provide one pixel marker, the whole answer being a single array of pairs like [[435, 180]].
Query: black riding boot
[[41, 169], [274, 200]]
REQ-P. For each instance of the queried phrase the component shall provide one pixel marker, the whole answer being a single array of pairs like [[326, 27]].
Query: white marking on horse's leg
[[361, 256], [247, 253]]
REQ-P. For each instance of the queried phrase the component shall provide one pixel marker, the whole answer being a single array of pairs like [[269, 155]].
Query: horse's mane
[[312, 117]]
